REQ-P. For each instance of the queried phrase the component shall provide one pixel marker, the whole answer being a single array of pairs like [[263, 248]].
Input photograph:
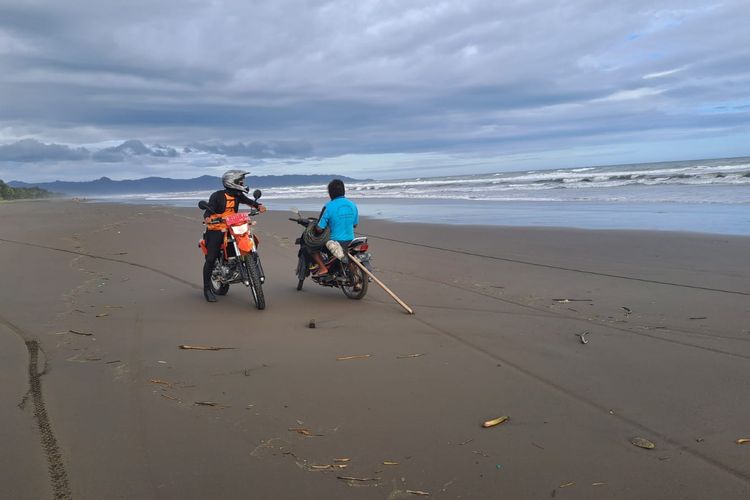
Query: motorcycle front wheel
[[217, 286], [256, 287], [301, 272], [356, 285]]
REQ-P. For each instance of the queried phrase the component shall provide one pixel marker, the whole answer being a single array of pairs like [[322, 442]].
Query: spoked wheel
[[256, 287], [217, 286], [301, 273], [356, 286]]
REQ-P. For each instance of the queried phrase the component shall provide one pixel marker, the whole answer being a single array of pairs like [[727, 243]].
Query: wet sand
[[497, 313]]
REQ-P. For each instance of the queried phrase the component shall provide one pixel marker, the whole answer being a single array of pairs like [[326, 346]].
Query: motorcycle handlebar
[[219, 220], [300, 221]]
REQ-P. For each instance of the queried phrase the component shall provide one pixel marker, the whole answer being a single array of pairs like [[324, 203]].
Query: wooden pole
[[388, 291]]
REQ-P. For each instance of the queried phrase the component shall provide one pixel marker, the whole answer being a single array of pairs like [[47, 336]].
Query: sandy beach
[[99, 401]]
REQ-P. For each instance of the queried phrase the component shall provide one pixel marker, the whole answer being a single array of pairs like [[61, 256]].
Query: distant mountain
[[106, 186]]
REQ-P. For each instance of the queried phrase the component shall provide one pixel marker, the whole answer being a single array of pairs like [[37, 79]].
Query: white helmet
[[235, 179]]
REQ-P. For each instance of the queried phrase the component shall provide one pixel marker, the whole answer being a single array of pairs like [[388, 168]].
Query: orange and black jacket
[[223, 203]]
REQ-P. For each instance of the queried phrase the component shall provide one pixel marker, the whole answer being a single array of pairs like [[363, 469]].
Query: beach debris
[[327, 466], [361, 479], [355, 356], [642, 443], [565, 485], [495, 421], [627, 310], [598, 484], [300, 430], [85, 334], [477, 452], [498, 466], [206, 403], [582, 337], [342, 460], [113, 361], [160, 381], [162, 362], [418, 493], [664, 459], [404, 356], [565, 301], [204, 347], [699, 317], [311, 324], [101, 315], [388, 462], [699, 440], [742, 441]]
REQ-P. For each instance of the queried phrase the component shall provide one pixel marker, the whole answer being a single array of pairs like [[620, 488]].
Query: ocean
[[707, 196]]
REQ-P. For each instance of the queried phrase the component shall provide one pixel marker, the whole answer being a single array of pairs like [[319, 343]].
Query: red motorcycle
[[239, 261]]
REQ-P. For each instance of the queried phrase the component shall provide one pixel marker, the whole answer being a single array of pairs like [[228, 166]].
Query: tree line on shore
[[17, 193]]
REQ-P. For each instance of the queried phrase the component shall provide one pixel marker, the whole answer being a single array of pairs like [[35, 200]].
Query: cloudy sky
[[369, 88]]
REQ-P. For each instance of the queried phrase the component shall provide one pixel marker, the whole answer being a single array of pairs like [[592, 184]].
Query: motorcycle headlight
[[239, 229]]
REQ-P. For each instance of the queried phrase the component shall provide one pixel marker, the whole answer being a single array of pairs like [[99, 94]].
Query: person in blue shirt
[[341, 216]]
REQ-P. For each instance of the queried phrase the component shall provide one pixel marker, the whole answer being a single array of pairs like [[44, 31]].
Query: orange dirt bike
[[238, 261]]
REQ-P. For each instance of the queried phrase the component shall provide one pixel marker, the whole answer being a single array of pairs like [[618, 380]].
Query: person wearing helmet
[[341, 216], [221, 204]]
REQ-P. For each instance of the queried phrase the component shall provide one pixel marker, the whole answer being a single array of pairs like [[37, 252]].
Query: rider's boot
[[209, 294]]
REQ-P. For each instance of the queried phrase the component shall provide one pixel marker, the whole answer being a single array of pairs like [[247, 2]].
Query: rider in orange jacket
[[222, 204]]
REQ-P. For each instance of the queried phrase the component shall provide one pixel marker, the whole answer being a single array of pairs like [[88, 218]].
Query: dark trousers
[[214, 239]]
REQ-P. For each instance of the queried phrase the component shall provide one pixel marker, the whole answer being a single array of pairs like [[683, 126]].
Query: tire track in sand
[[55, 464]]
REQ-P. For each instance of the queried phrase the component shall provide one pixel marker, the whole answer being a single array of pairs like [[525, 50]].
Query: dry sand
[[114, 414]]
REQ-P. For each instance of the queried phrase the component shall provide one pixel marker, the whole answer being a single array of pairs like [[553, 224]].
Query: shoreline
[[319, 203]]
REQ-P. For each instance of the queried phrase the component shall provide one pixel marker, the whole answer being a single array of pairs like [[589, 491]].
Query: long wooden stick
[[388, 291]]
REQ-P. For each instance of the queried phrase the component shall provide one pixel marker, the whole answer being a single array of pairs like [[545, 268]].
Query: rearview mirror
[[257, 194], [295, 210], [203, 205]]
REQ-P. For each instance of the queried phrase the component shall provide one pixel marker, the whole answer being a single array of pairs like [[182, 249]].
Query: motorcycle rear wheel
[[355, 278], [256, 287]]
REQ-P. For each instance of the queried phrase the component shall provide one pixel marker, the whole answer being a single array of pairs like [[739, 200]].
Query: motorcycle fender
[[202, 246], [256, 240], [363, 257], [245, 244]]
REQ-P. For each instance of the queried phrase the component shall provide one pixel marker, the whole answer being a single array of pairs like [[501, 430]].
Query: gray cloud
[[257, 149], [281, 79], [131, 148], [32, 151]]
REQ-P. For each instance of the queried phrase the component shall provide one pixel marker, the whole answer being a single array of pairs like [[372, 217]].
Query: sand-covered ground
[[111, 411]]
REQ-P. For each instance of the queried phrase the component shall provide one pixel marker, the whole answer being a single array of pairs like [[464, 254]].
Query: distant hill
[[106, 186], [19, 193]]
